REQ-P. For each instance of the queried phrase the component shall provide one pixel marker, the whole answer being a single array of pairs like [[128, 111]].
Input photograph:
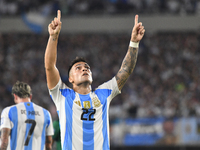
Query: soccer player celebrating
[[25, 126], [83, 113]]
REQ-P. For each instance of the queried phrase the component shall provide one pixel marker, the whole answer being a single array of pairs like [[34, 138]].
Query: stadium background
[[159, 107]]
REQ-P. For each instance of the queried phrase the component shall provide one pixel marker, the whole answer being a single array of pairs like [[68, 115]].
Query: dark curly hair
[[21, 89], [77, 59]]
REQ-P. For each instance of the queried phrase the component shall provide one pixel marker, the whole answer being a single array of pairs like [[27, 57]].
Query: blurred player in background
[[56, 136], [25, 126], [83, 113]]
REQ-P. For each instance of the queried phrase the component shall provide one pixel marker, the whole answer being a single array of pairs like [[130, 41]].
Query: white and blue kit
[[84, 120], [29, 124]]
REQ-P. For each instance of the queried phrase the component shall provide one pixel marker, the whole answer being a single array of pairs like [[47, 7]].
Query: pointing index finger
[[59, 15], [136, 19]]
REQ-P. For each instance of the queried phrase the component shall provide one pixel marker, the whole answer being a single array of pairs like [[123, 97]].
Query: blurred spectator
[[169, 137], [165, 81], [102, 7], [56, 136]]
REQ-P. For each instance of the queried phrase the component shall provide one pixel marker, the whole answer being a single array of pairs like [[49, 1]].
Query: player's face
[[80, 73]]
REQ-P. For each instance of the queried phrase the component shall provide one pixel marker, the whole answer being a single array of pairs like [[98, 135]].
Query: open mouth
[[85, 74]]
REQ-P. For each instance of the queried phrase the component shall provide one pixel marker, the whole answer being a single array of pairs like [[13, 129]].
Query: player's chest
[[88, 101]]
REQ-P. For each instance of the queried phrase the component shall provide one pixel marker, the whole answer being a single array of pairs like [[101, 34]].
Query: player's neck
[[22, 100], [82, 89]]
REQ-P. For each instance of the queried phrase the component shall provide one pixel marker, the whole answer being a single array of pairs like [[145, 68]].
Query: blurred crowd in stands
[[77, 7], [165, 82]]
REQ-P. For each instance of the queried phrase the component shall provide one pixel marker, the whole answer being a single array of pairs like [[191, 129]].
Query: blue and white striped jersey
[[29, 124], [84, 119]]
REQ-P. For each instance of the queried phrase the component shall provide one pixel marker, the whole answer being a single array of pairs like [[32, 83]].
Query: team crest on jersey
[[28, 104], [78, 103], [96, 102], [86, 104]]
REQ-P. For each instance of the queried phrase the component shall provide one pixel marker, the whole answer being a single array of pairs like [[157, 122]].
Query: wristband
[[134, 44]]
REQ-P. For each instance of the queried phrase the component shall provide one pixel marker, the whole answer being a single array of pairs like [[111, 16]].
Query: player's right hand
[[55, 26]]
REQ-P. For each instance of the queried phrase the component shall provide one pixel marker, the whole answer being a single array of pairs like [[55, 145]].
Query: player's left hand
[[138, 31], [55, 26]]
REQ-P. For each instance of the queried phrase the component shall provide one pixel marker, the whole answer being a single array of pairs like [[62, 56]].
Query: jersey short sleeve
[[5, 120], [49, 129], [112, 85], [55, 92]]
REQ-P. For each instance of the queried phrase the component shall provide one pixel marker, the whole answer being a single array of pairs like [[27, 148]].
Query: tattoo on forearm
[[5, 132], [48, 148], [54, 39], [48, 143], [127, 67]]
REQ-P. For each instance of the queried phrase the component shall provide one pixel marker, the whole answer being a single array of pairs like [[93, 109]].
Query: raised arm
[[5, 133], [130, 59], [52, 73]]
